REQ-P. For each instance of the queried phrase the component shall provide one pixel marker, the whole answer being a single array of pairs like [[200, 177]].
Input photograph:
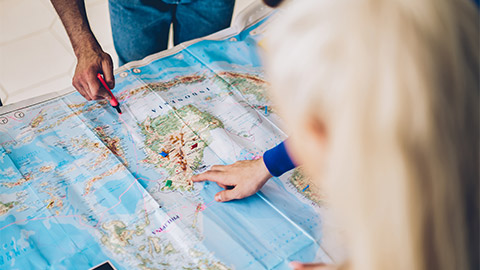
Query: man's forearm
[[91, 59], [74, 19]]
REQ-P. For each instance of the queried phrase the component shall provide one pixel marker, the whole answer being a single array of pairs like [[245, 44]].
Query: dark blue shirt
[[277, 160]]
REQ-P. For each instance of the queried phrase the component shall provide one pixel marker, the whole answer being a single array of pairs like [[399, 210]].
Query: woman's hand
[[240, 180]]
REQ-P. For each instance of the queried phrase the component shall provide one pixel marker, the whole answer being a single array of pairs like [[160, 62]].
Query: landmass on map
[[54, 200], [246, 83], [154, 251], [164, 86], [5, 207], [111, 142], [252, 87], [306, 186], [175, 142], [19, 182]]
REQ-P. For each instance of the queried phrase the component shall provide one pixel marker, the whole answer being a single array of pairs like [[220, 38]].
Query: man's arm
[[91, 59]]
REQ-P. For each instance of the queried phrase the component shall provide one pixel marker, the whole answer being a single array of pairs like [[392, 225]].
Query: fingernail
[[294, 265], [218, 197]]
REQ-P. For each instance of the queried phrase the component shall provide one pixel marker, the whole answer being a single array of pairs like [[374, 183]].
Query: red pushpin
[[113, 100]]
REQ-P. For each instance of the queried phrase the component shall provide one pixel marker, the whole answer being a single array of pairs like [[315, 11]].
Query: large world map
[[81, 184]]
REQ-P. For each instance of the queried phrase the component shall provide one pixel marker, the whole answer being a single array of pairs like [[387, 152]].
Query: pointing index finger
[[211, 175]]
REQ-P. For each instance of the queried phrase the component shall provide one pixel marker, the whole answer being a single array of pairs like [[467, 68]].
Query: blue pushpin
[[164, 154], [305, 188]]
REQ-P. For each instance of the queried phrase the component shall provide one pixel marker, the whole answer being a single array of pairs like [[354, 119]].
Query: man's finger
[[79, 88], [83, 89], [77, 83], [100, 98], [95, 89], [107, 69]]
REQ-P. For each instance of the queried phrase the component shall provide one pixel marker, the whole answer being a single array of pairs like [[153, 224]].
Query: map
[[81, 184]]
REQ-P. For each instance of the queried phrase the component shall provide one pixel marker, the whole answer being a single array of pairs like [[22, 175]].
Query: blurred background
[[36, 57]]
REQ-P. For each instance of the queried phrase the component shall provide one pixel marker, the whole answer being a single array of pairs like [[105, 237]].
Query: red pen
[[113, 100]]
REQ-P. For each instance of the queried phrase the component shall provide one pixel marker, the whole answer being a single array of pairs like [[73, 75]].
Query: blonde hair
[[395, 82]]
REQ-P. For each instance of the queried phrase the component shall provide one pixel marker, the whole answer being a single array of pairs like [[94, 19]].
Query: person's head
[[380, 99]]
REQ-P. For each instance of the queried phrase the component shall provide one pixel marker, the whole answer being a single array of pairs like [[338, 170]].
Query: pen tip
[[118, 109]]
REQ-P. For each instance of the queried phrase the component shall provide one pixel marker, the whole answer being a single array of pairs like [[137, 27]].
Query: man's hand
[[85, 79], [240, 180], [91, 59]]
